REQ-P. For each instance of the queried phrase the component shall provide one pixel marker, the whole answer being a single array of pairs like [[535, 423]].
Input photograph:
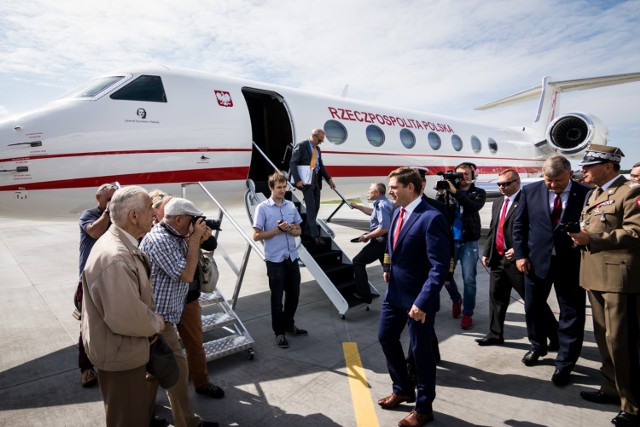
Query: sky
[[441, 56]]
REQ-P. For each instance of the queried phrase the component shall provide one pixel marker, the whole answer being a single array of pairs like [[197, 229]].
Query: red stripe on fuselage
[[115, 153]]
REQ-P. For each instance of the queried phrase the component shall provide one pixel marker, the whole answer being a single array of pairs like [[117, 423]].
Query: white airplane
[[161, 126]]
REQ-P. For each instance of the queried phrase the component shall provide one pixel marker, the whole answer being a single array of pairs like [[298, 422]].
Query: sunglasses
[[506, 183]]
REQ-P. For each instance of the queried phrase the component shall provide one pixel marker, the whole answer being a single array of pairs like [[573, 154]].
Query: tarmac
[[317, 381]]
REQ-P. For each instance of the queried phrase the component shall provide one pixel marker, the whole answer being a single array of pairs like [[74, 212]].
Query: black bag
[[162, 363]]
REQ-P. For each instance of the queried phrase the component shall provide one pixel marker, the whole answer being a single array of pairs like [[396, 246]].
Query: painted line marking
[[360, 391]]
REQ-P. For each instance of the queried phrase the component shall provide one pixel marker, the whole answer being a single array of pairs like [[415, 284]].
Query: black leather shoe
[[561, 377], [487, 340], [599, 397], [626, 419], [157, 421], [532, 356]]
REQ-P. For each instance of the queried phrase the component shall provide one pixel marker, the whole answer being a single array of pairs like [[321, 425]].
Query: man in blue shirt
[[377, 238], [277, 222], [93, 224]]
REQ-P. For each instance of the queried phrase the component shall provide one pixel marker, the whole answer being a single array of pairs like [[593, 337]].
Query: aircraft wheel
[[250, 353]]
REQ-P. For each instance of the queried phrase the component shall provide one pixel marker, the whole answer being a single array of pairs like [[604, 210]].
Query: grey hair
[[636, 165], [555, 165], [380, 187], [316, 131], [125, 200], [108, 186]]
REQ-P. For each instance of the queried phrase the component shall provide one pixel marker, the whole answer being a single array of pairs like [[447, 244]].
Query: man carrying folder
[[307, 170]]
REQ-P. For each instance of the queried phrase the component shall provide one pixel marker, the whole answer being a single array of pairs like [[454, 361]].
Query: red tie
[[500, 233], [396, 234], [556, 213]]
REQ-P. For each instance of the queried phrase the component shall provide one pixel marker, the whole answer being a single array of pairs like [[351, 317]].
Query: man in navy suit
[[415, 268], [546, 255], [306, 154]]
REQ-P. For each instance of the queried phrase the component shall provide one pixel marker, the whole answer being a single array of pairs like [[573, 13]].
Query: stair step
[[209, 299], [328, 258], [216, 320], [225, 346], [339, 273]]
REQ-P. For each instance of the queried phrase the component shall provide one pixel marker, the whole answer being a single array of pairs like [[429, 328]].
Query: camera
[[569, 227], [453, 177], [213, 224]]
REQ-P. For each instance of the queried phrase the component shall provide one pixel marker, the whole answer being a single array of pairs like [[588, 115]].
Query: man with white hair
[[307, 169], [118, 318], [173, 246]]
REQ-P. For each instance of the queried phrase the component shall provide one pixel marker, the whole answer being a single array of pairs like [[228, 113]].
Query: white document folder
[[306, 174]]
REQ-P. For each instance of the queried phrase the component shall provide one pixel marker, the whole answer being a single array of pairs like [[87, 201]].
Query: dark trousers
[[571, 300], [392, 323], [284, 282], [374, 250], [83, 360], [503, 277], [311, 194], [125, 395], [616, 326]]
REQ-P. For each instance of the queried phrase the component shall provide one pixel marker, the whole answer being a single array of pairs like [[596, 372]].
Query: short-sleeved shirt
[[381, 214], [167, 252], [281, 246], [87, 218]]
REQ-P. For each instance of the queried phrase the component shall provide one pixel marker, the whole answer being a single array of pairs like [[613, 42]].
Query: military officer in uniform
[[610, 271]]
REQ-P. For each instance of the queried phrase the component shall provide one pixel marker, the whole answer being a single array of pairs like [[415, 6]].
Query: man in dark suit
[[415, 268], [306, 154], [498, 256], [545, 253]]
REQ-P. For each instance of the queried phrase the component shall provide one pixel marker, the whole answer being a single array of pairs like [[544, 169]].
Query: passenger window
[[476, 145], [456, 141], [375, 135], [493, 146], [407, 138], [434, 140], [144, 88], [335, 131]]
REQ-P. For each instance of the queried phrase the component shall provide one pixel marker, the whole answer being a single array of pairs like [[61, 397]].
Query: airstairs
[[223, 331], [328, 264]]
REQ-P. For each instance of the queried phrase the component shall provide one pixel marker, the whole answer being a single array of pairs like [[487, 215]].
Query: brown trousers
[[190, 329]]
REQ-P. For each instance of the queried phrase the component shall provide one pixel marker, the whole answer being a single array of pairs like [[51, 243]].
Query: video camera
[[213, 224], [454, 177]]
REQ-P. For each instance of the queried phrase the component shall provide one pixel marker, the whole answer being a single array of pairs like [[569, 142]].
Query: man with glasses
[[173, 247], [307, 170], [93, 224], [276, 222], [498, 256]]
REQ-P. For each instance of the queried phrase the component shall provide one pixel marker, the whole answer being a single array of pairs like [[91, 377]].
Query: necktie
[[557, 210], [314, 158], [396, 234], [500, 231]]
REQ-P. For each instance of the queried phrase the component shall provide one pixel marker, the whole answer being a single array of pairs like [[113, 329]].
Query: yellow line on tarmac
[[362, 404]]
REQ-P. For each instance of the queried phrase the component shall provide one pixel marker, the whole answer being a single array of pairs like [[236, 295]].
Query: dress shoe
[[599, 397], [532, 356], [626, 419], [157, 421], [318, 241], [487, 340], [416, 419], [561, 377], [394, 400], [294, 330]]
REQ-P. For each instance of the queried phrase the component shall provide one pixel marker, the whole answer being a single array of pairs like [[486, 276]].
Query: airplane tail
[[569, 133]]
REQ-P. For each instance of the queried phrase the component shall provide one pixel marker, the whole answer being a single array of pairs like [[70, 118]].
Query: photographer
[[464, 200]]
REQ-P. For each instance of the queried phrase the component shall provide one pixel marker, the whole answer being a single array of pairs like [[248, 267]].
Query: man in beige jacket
[[118, 317]]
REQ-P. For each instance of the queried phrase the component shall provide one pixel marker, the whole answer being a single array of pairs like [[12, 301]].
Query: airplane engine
[[573, 132]]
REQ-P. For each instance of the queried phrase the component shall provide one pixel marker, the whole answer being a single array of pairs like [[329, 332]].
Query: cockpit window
[[144, 88], [94, 87]]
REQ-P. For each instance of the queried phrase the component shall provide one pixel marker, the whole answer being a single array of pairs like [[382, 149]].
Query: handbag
[[162, 363], [207, 272]]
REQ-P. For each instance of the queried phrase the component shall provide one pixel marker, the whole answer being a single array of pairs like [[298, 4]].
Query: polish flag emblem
[[224, 98]]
